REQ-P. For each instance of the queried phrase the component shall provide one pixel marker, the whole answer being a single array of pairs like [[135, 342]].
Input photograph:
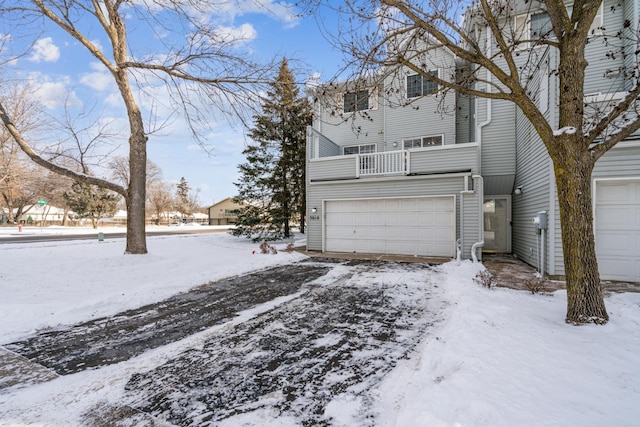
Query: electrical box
[[540, 220]]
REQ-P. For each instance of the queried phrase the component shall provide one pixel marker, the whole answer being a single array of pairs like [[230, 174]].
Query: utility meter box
[[540, 220]]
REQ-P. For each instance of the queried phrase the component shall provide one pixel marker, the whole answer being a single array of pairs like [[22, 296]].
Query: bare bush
[[536, 285], [266, 248], [485, 278]]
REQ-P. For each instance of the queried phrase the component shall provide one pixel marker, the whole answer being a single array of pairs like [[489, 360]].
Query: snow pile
[[495, 357], [506, 358]]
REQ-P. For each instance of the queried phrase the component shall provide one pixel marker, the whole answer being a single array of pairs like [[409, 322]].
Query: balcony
[[422, 161]]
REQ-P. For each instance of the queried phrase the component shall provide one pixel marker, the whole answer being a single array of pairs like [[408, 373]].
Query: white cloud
[[114, 100], [98, 80], [53, 94], [243, 33], [275, 9], [45, 51]]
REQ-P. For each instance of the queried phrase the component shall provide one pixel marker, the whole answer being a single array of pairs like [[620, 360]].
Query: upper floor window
[[355, 101], [419, 85], [596, 25], [422, 142], [359, 149], [521, 30], [538, 25]]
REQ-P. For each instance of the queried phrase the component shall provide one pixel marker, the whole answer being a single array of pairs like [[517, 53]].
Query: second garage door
[[617, 227], [424, 226]]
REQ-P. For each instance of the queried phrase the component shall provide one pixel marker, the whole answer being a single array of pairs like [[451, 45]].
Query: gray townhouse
[[419, 173]]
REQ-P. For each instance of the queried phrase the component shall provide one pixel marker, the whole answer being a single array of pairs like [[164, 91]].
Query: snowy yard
[[361, 344]]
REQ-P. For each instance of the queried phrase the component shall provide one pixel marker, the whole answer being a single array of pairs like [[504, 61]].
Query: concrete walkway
[[507, 270]]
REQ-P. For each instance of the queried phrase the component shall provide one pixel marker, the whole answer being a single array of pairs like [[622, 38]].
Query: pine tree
[[272, 183], [90, 201], [182, 197]]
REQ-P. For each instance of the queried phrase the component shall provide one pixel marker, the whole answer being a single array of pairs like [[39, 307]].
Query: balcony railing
[[387, 163], [441, 159]]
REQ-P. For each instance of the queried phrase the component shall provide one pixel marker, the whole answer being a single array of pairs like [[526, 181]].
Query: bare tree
[[119, 166], [498, 60], [21, 182], [208, 73], [160, 199]]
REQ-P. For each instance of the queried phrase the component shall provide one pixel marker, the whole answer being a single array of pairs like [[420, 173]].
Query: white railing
[[387, 163]]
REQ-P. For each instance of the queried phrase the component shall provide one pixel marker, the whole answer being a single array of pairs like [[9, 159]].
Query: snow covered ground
[[494, 357]]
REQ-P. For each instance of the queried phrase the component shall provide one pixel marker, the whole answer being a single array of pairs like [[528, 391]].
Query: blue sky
[[62, 70]]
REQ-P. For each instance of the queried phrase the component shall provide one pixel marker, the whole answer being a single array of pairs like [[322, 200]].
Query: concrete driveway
[[340, 327]]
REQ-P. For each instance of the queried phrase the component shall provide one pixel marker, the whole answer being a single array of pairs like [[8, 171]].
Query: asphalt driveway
[[343, 327]]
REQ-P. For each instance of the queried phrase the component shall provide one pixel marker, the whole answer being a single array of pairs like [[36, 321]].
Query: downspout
[[636, 22], [479, 244], [460, 241], [488, 100]]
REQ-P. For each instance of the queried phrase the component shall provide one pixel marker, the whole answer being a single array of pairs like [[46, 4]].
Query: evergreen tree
[[187, 201], [90, 201], [182, 196], [272, 182]]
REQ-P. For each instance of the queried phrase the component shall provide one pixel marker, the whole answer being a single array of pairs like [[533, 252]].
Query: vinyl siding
[[602, 55], [621, 161], [464, 118], [498, 140], [424, 116], [420, 119], [458, 158], [632, 13], [326, 147], [534, 176], [360, 127], [337, 167]]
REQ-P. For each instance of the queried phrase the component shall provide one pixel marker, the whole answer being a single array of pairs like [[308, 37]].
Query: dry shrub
[[485, 278], [266, 248], [536, 285]]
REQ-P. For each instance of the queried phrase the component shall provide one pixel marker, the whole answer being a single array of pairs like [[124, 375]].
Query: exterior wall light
[[314, 210], [518, 191]]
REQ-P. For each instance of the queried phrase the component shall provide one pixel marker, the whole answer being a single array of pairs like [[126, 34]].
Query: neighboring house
[[42, 214], [225, 212], [397, 176]]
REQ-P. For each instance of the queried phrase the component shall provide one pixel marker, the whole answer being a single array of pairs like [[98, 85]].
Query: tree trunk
[[585, 299], [136, 193]]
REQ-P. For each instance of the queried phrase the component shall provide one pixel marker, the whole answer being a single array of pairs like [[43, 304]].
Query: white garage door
[[618, 229], [423, 226]]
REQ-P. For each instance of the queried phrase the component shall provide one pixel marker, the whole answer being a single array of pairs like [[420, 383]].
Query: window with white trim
[[355, 101], [422, 142], [538, 25], [419, 85], [596, 25], [521, 30], [359, 149], [366, 162]]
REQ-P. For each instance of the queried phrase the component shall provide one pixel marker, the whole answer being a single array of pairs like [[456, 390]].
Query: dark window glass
[[356, 101], [418, 85]]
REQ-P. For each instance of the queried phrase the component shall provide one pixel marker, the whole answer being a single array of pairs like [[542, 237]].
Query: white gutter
[[479, 244], [636, 19], [488, 118]]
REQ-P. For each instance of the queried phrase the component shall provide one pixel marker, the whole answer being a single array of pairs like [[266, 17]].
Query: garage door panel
[[414, 226], [617, 228], [611, 217]]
